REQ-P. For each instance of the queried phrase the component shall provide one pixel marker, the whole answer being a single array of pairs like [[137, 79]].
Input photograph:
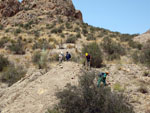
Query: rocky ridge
[[40, 11]]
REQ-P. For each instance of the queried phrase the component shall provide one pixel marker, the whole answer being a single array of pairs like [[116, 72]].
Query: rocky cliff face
[[9, 8], [37, 10]]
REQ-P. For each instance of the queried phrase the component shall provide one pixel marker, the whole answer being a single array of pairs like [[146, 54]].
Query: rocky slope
[[37, 10], [36, 92], [143, 38]]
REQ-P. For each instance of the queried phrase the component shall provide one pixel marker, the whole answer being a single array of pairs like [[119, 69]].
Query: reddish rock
[[9, 8], [78, 15]]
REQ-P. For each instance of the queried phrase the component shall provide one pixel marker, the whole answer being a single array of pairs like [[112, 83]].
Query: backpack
[[69, 56], [101, 74]]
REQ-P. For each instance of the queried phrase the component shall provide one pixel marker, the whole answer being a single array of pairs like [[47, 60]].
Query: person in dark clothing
[[68, 56], [88, 60], [102, 78]]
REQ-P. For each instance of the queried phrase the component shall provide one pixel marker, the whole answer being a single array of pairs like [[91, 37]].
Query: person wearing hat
[[102, 78], [61, 55], [88, 59]]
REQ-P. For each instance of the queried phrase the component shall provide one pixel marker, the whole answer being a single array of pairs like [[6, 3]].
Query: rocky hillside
[[143, 38], [32, 35], [41, 11]]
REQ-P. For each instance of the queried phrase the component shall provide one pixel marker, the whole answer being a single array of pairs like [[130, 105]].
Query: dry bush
[[13, 74], [95, 52], [88, 98], [3, 62], [40, 58], [112, 48]]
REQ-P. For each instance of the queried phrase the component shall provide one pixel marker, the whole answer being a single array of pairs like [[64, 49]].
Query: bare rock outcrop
[[9, 8], [43, 11]]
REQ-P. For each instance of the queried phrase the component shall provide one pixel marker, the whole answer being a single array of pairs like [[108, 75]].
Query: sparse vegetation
[[95, 52], [40, 58], [134, 44], [17, 31], [17, 47], [42, 44], [68, 25], [3, 62], [1, 27], [3, 41], [13, 74], [90, 37], [112, 48], [146, 73], [143, 89], [84, 31], [87, 98], [145, 54], [118, 87], [71, 39]]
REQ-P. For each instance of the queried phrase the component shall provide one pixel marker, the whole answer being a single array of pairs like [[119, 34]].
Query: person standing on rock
[[61, 56], [102, 78], [68, 56], [88, 61]]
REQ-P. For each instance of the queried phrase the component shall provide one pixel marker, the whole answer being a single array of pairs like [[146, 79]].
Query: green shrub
[[50, 26], [71, 39], [13, 74], [3, 41], [77, 29], [143, 89], [78, 35], [42, 44], [17, 47], [56, 30], [40, 58], [112, 48], [126, 37], [52, 111], [118, 87], [3, 62], [144, 56], [62, 35], [28, 25], [84, 31], [90, 37], [95, 52], [146, 73], [134, 44], [87, 98], [1, 27], [68, 25], [36, 33], [17, 31]]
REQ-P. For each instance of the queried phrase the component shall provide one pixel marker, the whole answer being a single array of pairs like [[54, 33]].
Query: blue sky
[[125, 16]]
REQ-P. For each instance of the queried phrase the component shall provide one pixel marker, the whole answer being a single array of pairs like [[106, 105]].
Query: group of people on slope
[[101, 76], [66, 57]]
